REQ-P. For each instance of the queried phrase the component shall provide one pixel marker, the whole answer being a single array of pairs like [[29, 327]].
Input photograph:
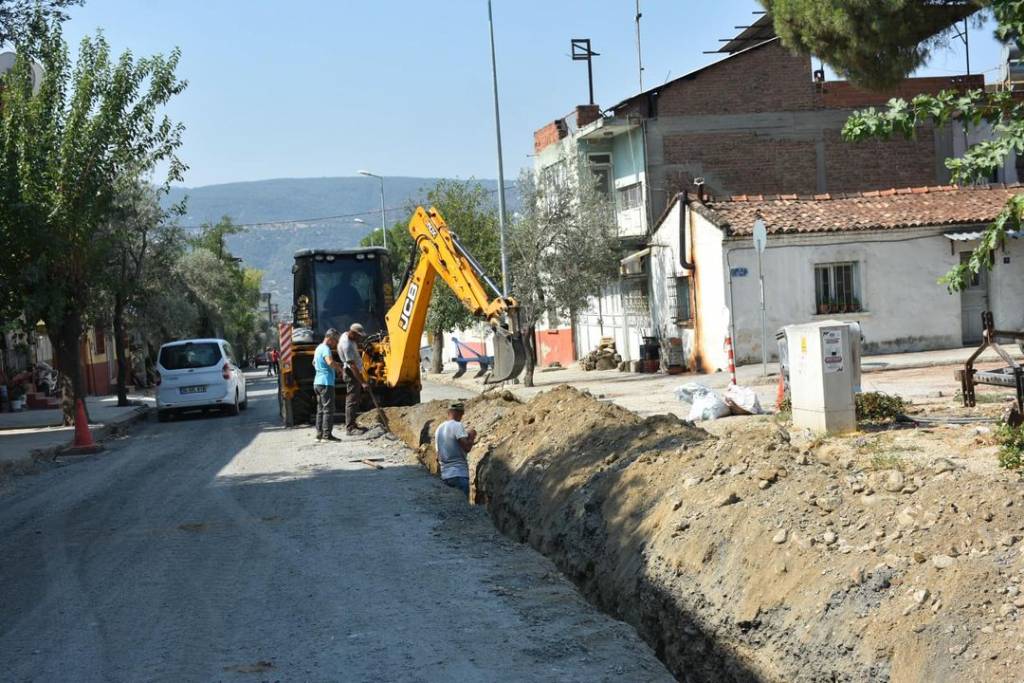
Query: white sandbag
[[742, 400], [687, 392], [707, 406]]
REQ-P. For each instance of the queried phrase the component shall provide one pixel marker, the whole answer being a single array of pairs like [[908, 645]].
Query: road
[[228, 548]]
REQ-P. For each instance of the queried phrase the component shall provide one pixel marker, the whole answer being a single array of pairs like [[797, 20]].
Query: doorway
[[973, 301]]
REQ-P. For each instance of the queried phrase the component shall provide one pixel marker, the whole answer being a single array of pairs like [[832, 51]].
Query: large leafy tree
[[877, 48], [16, 16], [65, 145], [563, 249]]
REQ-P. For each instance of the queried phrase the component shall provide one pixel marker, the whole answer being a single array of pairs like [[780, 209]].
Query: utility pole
[[639, 54], [501, 166], [581, 52]]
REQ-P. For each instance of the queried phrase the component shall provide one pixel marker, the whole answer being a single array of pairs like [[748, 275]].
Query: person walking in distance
[[270, 363], [352, 359], [274, 358], [454, 443], [326, 369]]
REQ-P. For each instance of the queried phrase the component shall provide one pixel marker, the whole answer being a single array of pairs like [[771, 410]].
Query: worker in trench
[[352, 359], [454, 442]]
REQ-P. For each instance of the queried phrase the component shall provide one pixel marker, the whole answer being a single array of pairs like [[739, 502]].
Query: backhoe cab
[[335, 288]]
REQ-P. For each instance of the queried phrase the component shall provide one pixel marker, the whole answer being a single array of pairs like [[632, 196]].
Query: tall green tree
[[563, 249], [17, 16], [63, 149], [878, 48]]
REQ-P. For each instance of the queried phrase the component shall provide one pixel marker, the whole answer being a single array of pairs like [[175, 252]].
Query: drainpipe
[[684, 208]]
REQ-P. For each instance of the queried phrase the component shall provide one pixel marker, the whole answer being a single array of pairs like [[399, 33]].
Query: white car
[[198, 373]]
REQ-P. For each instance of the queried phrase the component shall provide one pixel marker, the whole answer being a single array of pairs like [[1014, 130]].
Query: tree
[[879, 57], [874, 43], [563, 249], [225, 293], [468, 210], [16, 16], [138, 231], [63, 151]]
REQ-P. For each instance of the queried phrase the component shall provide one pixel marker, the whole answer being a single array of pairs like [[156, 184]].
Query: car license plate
[[193, 390]]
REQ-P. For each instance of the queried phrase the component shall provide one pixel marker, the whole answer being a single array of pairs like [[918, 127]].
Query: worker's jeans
[[324, 409], [353, 397]]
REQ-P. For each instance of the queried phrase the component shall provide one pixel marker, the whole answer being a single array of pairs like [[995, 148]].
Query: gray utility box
[[824, 373]]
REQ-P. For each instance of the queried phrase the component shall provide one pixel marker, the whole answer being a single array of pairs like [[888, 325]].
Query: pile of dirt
[[761, 553]]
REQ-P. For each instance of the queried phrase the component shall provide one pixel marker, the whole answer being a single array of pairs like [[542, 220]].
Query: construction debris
[[605, 357]]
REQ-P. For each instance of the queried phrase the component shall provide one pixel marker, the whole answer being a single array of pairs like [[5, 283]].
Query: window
[[680, 303], [630, 197], [190, 355], [836, 288], [601, 167]]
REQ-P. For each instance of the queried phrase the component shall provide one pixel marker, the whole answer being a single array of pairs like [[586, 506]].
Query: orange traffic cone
[[82, 443]]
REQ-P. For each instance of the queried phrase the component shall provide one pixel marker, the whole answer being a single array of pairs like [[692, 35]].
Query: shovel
[[381, 416]]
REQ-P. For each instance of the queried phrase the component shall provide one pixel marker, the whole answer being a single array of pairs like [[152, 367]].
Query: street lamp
[[383, 227], [501, 169]]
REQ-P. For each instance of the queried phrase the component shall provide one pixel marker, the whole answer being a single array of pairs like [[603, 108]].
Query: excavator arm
[[438, 253]]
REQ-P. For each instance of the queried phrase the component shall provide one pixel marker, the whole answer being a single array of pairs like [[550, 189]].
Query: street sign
[[760, 235]]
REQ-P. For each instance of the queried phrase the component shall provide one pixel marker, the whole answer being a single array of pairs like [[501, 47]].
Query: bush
[[876, 406], [1011, 446]]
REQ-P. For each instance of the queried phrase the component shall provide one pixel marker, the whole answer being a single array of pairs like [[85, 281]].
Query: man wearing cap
[[453, 445], [352, 359], [323, 385]]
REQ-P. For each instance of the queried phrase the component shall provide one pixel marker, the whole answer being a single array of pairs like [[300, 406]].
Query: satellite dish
[[7, 60]]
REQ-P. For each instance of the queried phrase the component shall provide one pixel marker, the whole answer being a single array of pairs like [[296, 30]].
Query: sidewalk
[[651, 394], [33, 434]]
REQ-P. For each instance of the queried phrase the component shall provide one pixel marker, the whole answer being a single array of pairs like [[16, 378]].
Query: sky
[[314, 88]]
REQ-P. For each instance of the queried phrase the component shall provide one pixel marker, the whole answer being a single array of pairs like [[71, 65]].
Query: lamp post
[[383, 227], [501, 169]]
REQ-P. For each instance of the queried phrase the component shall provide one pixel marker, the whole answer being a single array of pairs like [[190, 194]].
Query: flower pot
[[17, 405]]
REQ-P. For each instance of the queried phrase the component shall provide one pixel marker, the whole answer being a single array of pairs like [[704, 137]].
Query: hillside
[[270, 247]]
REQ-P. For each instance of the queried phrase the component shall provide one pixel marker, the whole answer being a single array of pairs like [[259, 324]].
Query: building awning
[[635, 256], [968, 236]]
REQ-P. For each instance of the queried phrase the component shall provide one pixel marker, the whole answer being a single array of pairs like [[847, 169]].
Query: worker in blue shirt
[[326, 368]]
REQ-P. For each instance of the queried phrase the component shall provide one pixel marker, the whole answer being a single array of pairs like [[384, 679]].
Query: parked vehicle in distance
[[198, 374], [261, 359]]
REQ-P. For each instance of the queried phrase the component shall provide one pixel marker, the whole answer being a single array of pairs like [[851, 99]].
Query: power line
[[340, 216]]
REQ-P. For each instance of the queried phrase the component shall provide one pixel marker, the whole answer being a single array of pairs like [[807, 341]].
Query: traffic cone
[[82, 443]]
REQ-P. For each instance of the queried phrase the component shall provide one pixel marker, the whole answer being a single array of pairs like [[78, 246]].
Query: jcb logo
[[410, 300]]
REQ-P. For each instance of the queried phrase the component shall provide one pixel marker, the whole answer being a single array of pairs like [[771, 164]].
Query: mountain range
[[284, 215]]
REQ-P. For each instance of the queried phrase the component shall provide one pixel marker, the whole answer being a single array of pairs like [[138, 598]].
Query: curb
[[49, 453]]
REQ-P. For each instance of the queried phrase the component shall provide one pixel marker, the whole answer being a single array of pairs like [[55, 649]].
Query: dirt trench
[[751, 555]]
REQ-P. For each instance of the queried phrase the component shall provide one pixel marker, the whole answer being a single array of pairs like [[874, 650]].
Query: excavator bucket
[[509, 356]]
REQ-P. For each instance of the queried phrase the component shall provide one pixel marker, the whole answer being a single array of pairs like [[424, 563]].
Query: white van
[[198, 373]]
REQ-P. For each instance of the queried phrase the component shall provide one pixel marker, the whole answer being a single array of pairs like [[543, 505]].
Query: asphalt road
[[227, 548]]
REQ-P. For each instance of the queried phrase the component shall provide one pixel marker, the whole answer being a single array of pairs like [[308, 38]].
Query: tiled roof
[[876, 210]]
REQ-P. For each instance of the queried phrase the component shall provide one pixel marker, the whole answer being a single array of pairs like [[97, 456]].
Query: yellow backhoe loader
[[335, 288]]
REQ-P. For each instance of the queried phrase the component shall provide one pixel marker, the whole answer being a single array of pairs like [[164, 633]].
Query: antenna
[[581, 52], [639, 53]]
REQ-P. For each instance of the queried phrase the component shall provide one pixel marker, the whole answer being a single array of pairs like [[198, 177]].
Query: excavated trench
[[694, 540]]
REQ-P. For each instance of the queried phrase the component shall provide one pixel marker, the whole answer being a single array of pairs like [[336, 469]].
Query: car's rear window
[[190, 355]]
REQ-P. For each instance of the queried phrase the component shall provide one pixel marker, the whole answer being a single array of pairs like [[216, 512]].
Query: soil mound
[[757, 554]]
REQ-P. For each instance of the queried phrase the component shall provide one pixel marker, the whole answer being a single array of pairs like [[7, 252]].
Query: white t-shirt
[[450, 455], [348, 351]]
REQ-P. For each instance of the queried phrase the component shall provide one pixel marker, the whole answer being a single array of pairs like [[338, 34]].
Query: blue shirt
[[324, 372]]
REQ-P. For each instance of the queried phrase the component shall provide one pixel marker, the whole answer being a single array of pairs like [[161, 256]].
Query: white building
[[875, 257]]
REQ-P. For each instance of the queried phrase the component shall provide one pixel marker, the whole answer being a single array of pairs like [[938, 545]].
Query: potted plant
[[822, 308], [855, 307]]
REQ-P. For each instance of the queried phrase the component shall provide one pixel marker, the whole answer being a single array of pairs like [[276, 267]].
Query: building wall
[[665, 270], [756, 123], [905, 309]]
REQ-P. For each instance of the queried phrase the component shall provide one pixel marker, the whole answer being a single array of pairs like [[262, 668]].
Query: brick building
[[758, 121]]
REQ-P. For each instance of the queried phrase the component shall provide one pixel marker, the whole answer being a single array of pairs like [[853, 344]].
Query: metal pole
[[501, 168], [639, 54], [764, 324], [383, 226]]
